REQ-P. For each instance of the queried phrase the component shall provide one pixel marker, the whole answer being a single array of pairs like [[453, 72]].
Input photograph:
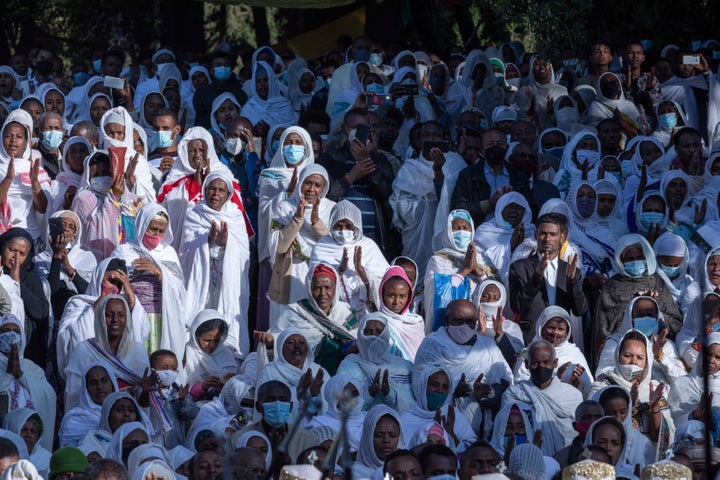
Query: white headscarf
[[115, 449], [142, 120], [367, 459], [200, 364], [634, 239], [216, 104], [604, 107], [272, 110], [107, 406], [182, 167], [569, 170], [334, 393], [243, 440]]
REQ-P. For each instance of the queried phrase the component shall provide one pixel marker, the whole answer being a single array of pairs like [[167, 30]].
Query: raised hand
[[223, 234], [357, 259], [656, 394], [316, 383], [385, 388], [149, 381], [374, 387], [572, 269], [542, 265], [658, 345], [498, 320], [293, 182], [517, 237], [563, 369], [343, 262], [264, 337], [462, 389], [315, 215], [130, 170], [700, 213], [481, 390], [214, 232]]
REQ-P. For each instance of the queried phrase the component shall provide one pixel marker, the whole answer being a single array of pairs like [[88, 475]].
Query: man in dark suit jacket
[[544, 279]]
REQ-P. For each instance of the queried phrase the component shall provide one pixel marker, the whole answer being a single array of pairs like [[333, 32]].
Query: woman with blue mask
[[434, 390], [581, 154], [671, 116], [636, 266], [650, 164], [651, 215], [504, 237], [673, 257], [456, 269], [642, 314]]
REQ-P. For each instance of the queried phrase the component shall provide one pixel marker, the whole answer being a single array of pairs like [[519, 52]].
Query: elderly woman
[[215, 257]]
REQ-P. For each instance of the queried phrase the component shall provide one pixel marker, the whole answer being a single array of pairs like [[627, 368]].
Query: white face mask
[[343, 237], [167, 377], [630, 372], [101, 184], [461, 334], [234, 146], [351, 134]]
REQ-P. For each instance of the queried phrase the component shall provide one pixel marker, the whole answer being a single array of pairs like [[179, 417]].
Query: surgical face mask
[[590, 156], [52, 139], [351, 134], [630, 372], [567, 116], [234, 146], [163, 138], [668, 120], [489, 310], [646, 44], [540, 375], [167, 377], [7, 340], [276, 413], [495, 154], [422, 70], [585, 206], [362, 55], [377, 347], [514, 82], [461, 334], [101, 184], [671, 272], [519, 440], [716, 55], [375, 88], [152, 241], [274, 146], [506, 225], [647, 325], [222, 73], [435, 400], [444, 476], [343, 237], [461, 239], [648, 219], [582, 427], [80, 78], [376, 59], [109, 289], [636, 268], [293, 154], [556, 152], [97, 65], [627, 169]]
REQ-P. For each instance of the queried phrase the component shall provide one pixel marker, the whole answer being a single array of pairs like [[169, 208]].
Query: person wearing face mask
[[476, 87], [533, 98], [478, 368], [166, 133], [567, 116], [671, 116], [156, 278], [673, 257], [385, 376], [480, 186], [222, 81], [552, 402], [274, 403], [585, 414], [50, 125], [636, 265], [339, 392], [580, 156]]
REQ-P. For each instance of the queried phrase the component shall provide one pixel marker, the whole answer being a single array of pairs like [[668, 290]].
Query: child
[[178, 404], [407, 329]]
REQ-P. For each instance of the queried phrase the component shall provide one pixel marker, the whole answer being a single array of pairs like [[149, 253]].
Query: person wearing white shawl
[[541, 87], [180, 457], [610, 193], [673, 256], [476, 87], [373, 359], [581, 152], [346, 241], [567, 113], [348, 97], [301, 85], [505, 427], [112, 418], [67, 182], [423, 108], [633, 365], [711, 185], [474, 360], [553, 402], [336, 392], [649, 153], [675, 187], [123, 137], [434, 389], [112, 343], [407, 329], [642, 314], [225, 108], [208, 361], [507, 334], [670, 116], [292, 360], [151, 103], [610, 434], [298, 224], [611, 99], [617, 403], [550, 325], [266, 104], [23, 199], [261, 444], [215, 257], [150, 460], [27, 423], [97, 105], [78, 321], [134, 434], [504, 238], [96, 383], [382, 434], [451, 267]]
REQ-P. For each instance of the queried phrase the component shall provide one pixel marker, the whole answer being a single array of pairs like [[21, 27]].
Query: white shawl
[[200, 364], [272, 110]]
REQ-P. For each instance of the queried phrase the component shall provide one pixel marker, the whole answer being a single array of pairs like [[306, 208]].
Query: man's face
[[493, 138], [473, 149], [609, 135], [601, 55], [19, 63], [523, 132], [635, 55], [404, 468], [478, 461], [663, 70], [112, 66], [440, 465]]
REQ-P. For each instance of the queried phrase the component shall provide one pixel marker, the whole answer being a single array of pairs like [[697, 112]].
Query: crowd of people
[[381, 263]]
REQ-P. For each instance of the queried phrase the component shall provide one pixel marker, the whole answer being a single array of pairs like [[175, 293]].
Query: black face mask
[[540, 375], [495, 155]]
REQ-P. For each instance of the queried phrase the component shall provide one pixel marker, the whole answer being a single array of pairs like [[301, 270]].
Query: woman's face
[[385, 437], [649, 152], [35, 109], [609, 437], [713, 358], [115, 131], [713, 269], [199, 80], [154, 102], [15, 139], [587, 144], [293, 139], [98, 107], [98, 384], [631, 254], [216, 194], [653, 204], [69, 228], [396, 293], [344, 224], [262, 86], [438, 382], [555, 331], [10, 327], [490, 294], [172, 95], [115, 318], [122, 411], [307, 82], [675, 192], [323, 291], [513, 214], [373, 328], [7, 83], [295, 350], [15, 253], [100, 169], [515, 425], [633, 353], [226, 113], [209, 340], [31, 434], [197, 153], [157, 228], [618, 408], [54, 102], [312, 188], [458, 224], [75, 157], [133, 440]]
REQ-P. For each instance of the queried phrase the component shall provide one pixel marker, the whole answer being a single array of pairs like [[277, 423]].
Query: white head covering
[[242, 441], [122, 117], [182, 166], [366, 451], [108, 404], [200, 364], [115, 449], [633, 239], [278, 161], [216, 104], [101, 333], [346, 210]]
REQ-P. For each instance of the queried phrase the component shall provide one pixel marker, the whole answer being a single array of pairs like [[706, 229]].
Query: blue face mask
[[617, 175], [647, 325], [376, 59], [519, 440], [461, 239], [274, 147], [362, 55], [80, 78], [585, 206], [670, 271], [646, 44], [668, 120], [293, 154], [222, 73], [435, 400], [636, 268], [591, 156], [8, 339], [716, 327], [649, 218], [52, 139], [163, 138], [696, 45], [97, 65], [276, 413], [556, 152], [375, 88], [506, 225], [627, 169]]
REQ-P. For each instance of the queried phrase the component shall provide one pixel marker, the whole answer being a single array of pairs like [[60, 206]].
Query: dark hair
[[166, 112], [612, 394], [491, 130], [607, 120], [355, 112], [593, 448], [615, 423], [24, 128], [582, 405], [435, 449], [556, 218], [397, 454], [313, 115], [98, 157], [103, 468], [211, 324], [112, 52], [161, 353], [684, 131], [436, 124], [302, 459], [222, 54], [632, 335], [90, 128], [7, 448], [262, 389]]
